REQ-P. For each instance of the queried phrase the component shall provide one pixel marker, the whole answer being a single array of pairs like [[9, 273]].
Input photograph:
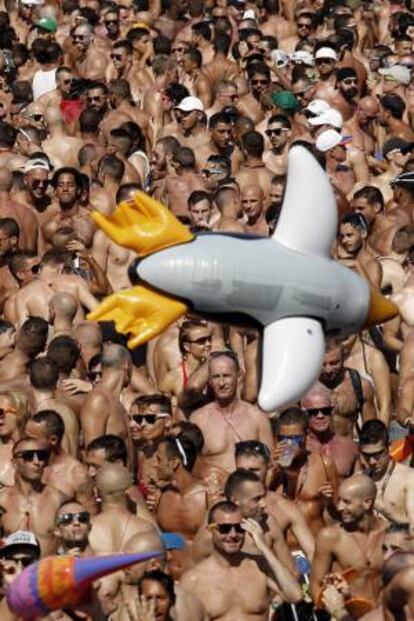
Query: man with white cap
[[345, 167], [395, 79], [17, 551], [329, 119], [325, 61], [36, 181], [25, 17], [191, 122]]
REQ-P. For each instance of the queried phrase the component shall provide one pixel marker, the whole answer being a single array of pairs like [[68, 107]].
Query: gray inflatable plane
[[287, 283]]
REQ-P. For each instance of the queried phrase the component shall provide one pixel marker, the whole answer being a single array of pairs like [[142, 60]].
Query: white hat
[[330, 139], [279, 58], [33, 2], [19, 538], [329, 117], [317, 106], [188, 104], [303, 57], [326, 52], [398, 73], [35, 164]]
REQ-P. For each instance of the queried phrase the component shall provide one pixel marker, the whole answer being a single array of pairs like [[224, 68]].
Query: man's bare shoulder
[[329, 535], [197, 574]]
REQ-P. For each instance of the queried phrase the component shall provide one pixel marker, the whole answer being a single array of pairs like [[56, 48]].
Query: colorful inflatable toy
[[62, 581], [288, 284]]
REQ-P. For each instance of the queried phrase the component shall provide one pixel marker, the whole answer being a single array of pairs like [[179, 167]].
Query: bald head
[[252, 202], [52, 117], [252, 191], [113, 479], [359, 486], [88, 334], [6, 180], [144, 542], [115, 356], [64, 305]]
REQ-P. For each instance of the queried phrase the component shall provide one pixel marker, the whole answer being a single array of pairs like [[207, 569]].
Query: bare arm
[[265, 430], [299, 528], [85, 296], [92, 417], [368, 409], [381, 376], [322, 559], [405, 402]]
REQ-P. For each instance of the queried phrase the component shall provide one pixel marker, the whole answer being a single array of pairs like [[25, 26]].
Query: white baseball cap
[[33, 2], [330, 139], [17, 539], [397, 73], [326, 52], [318, 106], [329, 117], [188, 104], [35, 164], [303, 57]]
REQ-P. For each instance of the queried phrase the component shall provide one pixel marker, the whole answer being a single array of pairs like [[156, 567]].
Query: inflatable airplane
[[287, 283]]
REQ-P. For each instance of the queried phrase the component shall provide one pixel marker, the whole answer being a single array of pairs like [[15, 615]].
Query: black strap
[[356, 382]]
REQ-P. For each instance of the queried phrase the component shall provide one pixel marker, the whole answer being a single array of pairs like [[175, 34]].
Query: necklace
[[367, 554]]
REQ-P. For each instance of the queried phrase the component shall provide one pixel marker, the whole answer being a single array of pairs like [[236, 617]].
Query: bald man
[[62, 310], [24, 215], [355, 543], [361, 125], [252, 199], [115, 524]]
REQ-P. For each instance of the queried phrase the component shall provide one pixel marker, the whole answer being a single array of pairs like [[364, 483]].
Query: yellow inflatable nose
[[380, 309]]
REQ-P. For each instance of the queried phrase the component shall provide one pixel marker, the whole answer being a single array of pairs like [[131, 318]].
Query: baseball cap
[[396, 144], [398, 73], [47, 23], [326, 52], [329, 139], [303, 57], [317, 106], [188, 104], [33, 2], [36, 163], [285, 100], [329, 117], [173, 541], [21, 538], [404, 180]]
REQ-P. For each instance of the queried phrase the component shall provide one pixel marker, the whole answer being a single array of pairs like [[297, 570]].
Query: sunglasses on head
[[277, 131], [67, 518], [225, 529], [28, 455], [326, 411]]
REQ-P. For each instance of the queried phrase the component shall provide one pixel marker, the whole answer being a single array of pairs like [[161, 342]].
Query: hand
[[152, 497], [141, 609], [255, 531], [326, 491], [278, 450], [76, 246], [75, 386], [333, 600]]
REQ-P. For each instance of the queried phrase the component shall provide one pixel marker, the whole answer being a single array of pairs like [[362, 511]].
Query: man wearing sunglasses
[[36, 182], [29, 503], [72, 529], [91, 58], [278, 132], [19, 550], [321, 438], [242, 579]]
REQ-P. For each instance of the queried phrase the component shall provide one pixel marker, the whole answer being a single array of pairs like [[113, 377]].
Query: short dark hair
[[182, 448], [223, 505], [193, 432], [374, 431], [89, 121], [164, 579], [5, 326], [356, 220], [219, 117], [236, 480], [394, 104], [124, 190], [185, 157], [32, 335], [371, 194], [43, 373], [67, 170], [53, 422], [64, 351], [8, 134], [10, 227], [253, 143], [114, 447], [203, 29], [164, 402], [197, 196], [252, 448], [195, 55], [293, 416]]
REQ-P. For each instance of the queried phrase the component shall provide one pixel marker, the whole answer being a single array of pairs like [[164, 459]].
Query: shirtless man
[[252, 200], [61, 148], [200, 207], [250, 104], [122, 68], [230, 583], [194, 79], [255, 457], [227, 200], [115, 524], [30, 342], [278, 132], [72, 529], [221, 143], [68, 189], [24, 216], [354, 544], [36, 181], [352, 251], [321, 439], [309, 479], [353, 395], [29, 504], [102, 411], [254, 170], [178, 188], [91, 60], [394, 482], [44, 375], [63, 471], [227, 419], [190, 117]]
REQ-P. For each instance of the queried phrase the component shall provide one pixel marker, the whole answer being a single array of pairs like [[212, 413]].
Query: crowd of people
[[306, 513]]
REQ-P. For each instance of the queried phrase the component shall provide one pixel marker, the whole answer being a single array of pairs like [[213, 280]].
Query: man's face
[[403, 47], [222, 135], [141, 45], [178, 49], [30, 459], [278, 135], [36, 182], [158, 158], [197, 343], [64, 81], [147, 422], [349, 88], [153, 591], [303, 92], [67, 191], [228, 96], [259, 84], [251, 500], [395, 542], [14, 561], [6, 242], [227, 533], [213, 174], [304, 27], [111, 21], [374, 458], [276, 191], [200, 213], [252, 203], [362, 206], [8, 417], [81, 38], [333, 364], [254, 463], [119, 57], [187, 120], [96, 99], [293, 433], [326, 66], [350, 238], [94, 461], [223, 377], [73, 523], [319, 409], [351, 508]]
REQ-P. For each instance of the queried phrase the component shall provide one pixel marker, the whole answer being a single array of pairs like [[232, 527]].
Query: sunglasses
[[116, 56], [29, 455], [24, 560], [36, 117], [297, 439], [324, 61], [202, 340], [326, 411], [308, 26], [111, 21], [150, 419], [375, 455], [208, 172], [37, 183], [78, 37], [259, 81], [277, 132], [67, 518], [225, 529]]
